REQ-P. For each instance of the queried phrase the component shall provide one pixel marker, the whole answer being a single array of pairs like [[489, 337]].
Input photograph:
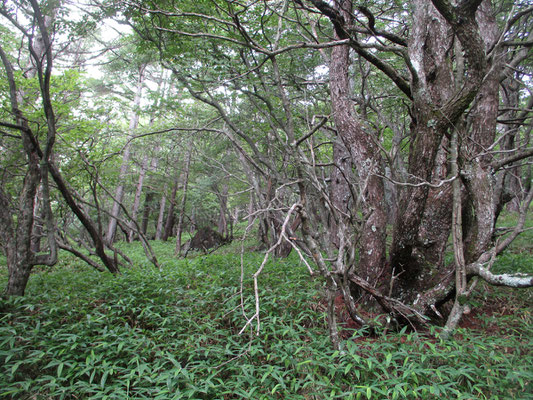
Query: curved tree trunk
[[19, 225], [365, 156], [439, 102], [432, 86]]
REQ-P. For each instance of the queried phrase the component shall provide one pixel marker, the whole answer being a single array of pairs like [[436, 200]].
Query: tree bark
[[119, 193], [478, 173], [147, 210], [438, 105], [181, 216], [432, 86], [160, 218], [366, 156], [17, 230], [138, 193], [341, 195], [169, 224], [222, 224]]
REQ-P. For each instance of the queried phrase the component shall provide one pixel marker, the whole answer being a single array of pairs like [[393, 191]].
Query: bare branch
[[283, 236], [512, 280], [311, 132], [64, 246], [498, 164], [509, 280]]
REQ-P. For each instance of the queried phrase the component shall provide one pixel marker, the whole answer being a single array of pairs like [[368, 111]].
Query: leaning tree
[[29, 166]]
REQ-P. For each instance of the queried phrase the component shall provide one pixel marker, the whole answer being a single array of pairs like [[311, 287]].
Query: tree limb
[[509, 280], [498, 164]]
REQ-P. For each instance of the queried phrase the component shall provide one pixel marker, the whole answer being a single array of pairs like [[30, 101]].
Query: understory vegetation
[[174, 334]]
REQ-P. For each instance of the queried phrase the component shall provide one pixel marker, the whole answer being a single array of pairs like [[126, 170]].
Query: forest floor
[[181, 333]]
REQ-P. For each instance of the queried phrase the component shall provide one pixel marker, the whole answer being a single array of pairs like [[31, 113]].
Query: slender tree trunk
[[341, 196], [161, 87], [119, 193], [183, 200], [147, 210], [222, 224], [251, 208], [38, 220], [95, 235], [162, 207], [138, 193], [169, 224]]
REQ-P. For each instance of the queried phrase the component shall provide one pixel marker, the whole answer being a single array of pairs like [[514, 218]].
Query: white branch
[[510, 280], [283, 236]]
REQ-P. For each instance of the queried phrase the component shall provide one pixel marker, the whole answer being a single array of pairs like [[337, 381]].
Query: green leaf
[[60, 369]]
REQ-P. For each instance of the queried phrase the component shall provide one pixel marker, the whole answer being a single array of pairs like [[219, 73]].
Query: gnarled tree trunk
[[365, 155]]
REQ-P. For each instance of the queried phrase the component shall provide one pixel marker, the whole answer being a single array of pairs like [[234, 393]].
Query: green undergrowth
[[519, 256], [174, 334]]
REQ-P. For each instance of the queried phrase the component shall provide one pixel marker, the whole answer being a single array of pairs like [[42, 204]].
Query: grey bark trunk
[[341, 180], [147, 210], [222, 224], [17, 230], [159, 227], [138, 193], [181, 216], [438, 105], [119, 193]]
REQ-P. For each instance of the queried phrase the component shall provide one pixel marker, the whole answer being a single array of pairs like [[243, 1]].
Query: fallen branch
[[509, 280], [389, 304]]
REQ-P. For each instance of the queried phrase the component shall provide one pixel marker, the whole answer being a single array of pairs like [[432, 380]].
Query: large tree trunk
[[19, 274], [433, 86], [16, 234], [478, 174], [365, 154], [432, 237], [438, 105]]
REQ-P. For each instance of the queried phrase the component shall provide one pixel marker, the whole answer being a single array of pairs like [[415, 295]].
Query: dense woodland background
[[375, 156]]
